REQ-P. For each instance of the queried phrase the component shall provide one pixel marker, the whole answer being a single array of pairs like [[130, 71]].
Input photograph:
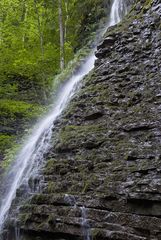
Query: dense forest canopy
[[30, 34], [33, 34]]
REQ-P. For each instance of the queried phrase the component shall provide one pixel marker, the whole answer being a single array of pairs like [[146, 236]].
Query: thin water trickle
[[86, 230], [85, 225], [17, 233], [30, 158]]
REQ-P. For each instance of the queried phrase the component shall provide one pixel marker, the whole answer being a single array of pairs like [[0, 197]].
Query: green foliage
[[10, 154], [29, 43], [18, 109], [5, 141]]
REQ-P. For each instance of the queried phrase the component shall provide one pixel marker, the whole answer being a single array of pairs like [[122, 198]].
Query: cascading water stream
[[30, 157], [85, 225], [118, 10]]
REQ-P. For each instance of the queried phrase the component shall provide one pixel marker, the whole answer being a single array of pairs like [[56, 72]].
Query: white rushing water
[[31, 155], [118, 10]]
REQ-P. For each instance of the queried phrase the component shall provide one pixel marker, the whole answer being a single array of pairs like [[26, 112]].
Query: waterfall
[[30, 158], [118, 10], [85, 224]]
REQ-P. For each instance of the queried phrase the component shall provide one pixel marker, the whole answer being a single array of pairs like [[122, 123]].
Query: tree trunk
[[39, 29], [61, 29], [66, 20], [41, 39]]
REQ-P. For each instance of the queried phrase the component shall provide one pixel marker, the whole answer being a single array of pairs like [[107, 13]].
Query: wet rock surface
[[106, 153]]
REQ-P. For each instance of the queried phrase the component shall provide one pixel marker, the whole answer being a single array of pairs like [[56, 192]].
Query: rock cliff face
[[106, 159]]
